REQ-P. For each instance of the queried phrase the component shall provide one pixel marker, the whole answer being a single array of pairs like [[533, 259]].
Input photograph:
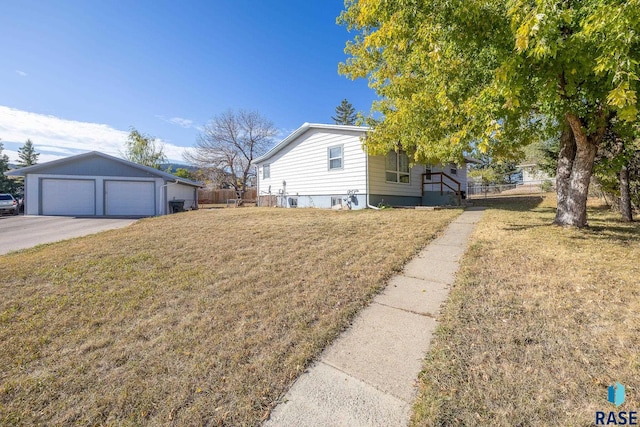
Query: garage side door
[[70, 197], [130, 198]]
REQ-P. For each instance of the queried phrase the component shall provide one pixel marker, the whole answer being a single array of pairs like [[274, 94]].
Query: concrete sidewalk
[[367, 376]]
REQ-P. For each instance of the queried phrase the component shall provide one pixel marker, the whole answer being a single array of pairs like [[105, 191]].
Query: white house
[[532, 174], [96, 184], [325, 165]]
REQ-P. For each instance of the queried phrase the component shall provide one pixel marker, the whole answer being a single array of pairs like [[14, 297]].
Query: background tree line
[[27, 156]]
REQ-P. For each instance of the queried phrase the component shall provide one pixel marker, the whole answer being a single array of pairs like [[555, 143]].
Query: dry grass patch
[[539, 323], [201, 318]]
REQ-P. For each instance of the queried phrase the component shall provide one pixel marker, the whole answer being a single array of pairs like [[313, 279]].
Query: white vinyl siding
[[303, 164]]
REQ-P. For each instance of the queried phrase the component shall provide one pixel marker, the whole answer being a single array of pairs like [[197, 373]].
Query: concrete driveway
[[20, 232]]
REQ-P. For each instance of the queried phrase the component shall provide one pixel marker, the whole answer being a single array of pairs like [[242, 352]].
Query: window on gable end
[[335, 157]]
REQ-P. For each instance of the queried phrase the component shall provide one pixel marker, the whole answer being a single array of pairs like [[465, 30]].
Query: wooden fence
[[221, 196]]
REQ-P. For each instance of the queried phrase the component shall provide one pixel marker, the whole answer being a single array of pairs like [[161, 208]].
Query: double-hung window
[[397, 167], [266, 171], [334, 157]]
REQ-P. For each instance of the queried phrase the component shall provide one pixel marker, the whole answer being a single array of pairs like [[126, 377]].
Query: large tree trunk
[[563, 175], [576, 214], [574, 211], [625, 195]]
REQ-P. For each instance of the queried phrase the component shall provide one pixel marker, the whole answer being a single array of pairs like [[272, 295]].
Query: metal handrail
[[443, 183]]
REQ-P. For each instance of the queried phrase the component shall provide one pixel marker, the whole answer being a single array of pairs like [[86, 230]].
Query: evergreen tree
[[6, 185], [27, 155], [345, 114]]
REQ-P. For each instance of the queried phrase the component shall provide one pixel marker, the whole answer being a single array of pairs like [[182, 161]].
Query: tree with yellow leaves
[[455, 76]]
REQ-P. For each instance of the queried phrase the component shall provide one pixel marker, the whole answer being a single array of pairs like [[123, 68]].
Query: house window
[[336, 201], [334, 155], [266, 171], [454, 171], [397, 168], [427, 174]]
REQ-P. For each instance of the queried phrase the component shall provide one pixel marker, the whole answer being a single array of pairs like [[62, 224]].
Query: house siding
[[301, 161], [303, 165], [378, 182], [64, 177], [182, 192], [460, 177], [413, 193], [95, 166], [532, 175]]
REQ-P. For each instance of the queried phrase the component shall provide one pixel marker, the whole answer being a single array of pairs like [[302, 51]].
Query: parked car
[[9, 204]]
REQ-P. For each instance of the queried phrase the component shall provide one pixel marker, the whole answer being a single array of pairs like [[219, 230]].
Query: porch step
[[436, 208]]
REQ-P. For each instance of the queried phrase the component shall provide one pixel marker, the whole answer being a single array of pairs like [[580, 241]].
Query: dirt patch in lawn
[[539, 323], [200, 318]]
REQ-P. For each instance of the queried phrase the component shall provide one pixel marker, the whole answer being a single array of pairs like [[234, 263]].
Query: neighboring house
[[325, 165], [96, 184], [532, 174]]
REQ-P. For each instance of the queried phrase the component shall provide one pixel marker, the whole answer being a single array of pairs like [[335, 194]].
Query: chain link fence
[[479, 190]]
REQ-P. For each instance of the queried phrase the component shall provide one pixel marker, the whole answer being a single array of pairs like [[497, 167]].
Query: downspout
[[257, 185], [366, 184], [195, 198]]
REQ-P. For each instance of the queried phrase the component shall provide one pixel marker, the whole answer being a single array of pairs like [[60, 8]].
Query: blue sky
[[77, 74]]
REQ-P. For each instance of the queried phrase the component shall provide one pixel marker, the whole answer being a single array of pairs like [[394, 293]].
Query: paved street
[[20, 232]]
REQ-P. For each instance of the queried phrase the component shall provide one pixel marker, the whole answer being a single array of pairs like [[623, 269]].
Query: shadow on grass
[[516, 204], [528, 226], [612, 230], [598, 228], [603, 223]]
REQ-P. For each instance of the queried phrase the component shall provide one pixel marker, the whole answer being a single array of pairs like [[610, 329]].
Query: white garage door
[[71, 197], [131, 198]]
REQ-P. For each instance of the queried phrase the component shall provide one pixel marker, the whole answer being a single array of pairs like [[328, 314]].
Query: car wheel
[[15, 212]]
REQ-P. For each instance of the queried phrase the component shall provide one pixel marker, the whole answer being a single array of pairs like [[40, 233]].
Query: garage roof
[[44, 167]]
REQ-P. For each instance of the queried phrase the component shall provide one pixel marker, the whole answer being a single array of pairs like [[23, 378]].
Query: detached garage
[[96, 184]]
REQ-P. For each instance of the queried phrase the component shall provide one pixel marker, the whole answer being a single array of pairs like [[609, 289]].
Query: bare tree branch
[[229, 143]]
